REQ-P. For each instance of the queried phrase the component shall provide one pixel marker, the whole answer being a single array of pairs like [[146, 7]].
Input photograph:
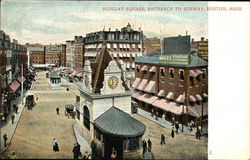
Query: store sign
[[174, 59]]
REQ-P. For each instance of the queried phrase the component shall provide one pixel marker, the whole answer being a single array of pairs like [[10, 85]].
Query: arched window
[[86, 117]]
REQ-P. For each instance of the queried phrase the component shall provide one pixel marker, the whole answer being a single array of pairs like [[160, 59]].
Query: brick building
[[78, 53], [202, 47], [172, 86], [63, 55], [70, 54], [52, 54], [36, 53]]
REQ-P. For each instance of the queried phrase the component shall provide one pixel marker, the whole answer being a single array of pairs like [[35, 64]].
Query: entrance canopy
[[118, 123]]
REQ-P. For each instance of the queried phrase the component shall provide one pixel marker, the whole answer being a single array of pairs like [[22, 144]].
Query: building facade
[[69, 53], [52, 54], [202, 47], [78, 53], [63, 55], [172, 87]]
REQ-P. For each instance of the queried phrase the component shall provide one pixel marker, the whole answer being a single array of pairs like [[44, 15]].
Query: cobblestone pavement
[[180, 147], [37, 127]]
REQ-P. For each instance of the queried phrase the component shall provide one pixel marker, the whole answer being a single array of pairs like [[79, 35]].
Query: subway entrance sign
[[178, 59]]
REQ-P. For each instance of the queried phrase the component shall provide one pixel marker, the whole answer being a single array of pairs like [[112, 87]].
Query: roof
[[194, 61], [119, 123], [54, 75]]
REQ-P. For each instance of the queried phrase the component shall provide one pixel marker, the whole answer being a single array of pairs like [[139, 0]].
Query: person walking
[[162, 139], [113, 155], [5, 138], [5, 117], [15, 108], [172, 132], [177, 127], [55, 145], [144, 145], [57, 110], [13, 118], [75, 153], [198, 134], [149, 145]]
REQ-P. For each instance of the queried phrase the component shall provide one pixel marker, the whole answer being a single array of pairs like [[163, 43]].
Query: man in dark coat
[[5, 116], [5, 139], [149, 145], [162, 139], [55, 145], [177, 127], [13, 118], [75, 153], [144, 145], [57, 110], [172, 132]]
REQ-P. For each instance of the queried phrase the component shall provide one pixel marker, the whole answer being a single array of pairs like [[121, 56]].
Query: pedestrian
[[78, 147], [57, 110], [162, 139], [144, 145], [149, 145], [16, 108], [5, 116], [55, 145], [13, 118], [5, 138], [36, 98], [172, 132], [198, 134], [177, 127], [75, 153], [114, 154], [86, 155]]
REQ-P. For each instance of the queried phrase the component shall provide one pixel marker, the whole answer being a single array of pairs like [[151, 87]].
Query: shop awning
[[192, 73], [150, 87], [21, 79], [74, 73], [192, 98], [198, 72], [205, 95], [161, 93], [114, 45], [137, 95], [180, 99], [170, 106], [198, 97], [144, 68], [196, 110], [170, 95], [136, 82], [147, 98], [143, 84], [152, 69], [14, 86], [108, 45], [79, 74], [133, 65]]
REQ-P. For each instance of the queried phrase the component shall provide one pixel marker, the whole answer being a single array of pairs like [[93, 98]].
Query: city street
[[37, 127], [180, 147]]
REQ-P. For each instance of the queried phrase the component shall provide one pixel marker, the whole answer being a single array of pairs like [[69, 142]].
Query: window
[[145, 72], [181, 75], [121, 36], [133, 143], [78, 114], [171, 73], [86, 117], [162, 72]]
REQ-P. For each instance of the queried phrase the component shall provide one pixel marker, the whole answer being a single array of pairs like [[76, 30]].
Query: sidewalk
[[10, 128], [167, 124]]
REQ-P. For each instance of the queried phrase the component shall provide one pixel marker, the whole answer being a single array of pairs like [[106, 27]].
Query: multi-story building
[[202, 47], [78, 53], [52, 54], [63, 55], [36, 54], [69, 53], [172, 86], [151, 45]]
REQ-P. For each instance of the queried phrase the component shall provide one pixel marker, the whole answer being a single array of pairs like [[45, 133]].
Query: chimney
[[192, 40], [202, 38], [109, 29], [186, 32]]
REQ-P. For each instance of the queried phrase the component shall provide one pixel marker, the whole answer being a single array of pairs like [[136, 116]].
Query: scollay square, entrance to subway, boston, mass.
[[80, 81]]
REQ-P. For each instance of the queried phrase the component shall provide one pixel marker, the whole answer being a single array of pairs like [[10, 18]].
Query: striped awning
[[14, 86], [137, 95], [114, 45], [192, 73], [144, 68], [147, 98], [74, 73], [191, 98], [133, 65], [180, 99], [143, 84], [136, 82], [79, 74], [150, 87], [198, 72], [152, 69], [108, 45], [198, 97], [170, 95], [128, 65], [161, 93], [170, 106], [196, 110], [21, 79]]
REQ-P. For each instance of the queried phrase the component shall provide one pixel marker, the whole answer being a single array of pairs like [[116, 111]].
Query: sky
[[48, 22]]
